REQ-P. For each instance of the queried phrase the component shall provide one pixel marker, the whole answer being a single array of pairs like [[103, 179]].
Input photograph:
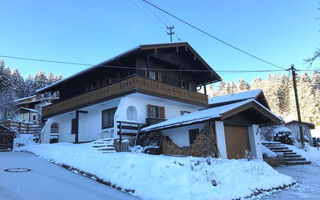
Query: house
[[145, 85], [29, 108], [234, 119], [306, 129], [154, 89]]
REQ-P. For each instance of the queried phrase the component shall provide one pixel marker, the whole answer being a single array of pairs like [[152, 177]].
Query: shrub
[[284, 137]]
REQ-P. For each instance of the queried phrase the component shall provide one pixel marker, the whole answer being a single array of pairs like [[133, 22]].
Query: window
[[157, 76], [108, 118], [185, 85], [132, 113], [156, 112], [192, 135], [184, 112], [153, 76], [33, 118], [54, 128]]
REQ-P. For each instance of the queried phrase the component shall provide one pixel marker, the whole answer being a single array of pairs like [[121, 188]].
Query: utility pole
[[293, 70], [170, 32]]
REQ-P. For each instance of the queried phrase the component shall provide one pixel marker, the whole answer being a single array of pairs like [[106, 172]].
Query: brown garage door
[[237, 141]]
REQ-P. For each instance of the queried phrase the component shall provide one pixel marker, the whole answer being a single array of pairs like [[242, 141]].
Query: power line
[[148, 16], [152, 19], [214, 37], [139, 68]]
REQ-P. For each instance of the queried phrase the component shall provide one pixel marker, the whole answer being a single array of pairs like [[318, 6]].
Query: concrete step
[[278, 148], [97, 146], [298, 162], [105, 149], [292, 156], [283, 151], [289, 153], [295, 159]]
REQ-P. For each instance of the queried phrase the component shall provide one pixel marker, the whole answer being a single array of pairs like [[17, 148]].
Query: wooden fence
[[23, 128]]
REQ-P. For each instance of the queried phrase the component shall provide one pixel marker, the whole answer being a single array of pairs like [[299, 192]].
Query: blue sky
[[283, 32]]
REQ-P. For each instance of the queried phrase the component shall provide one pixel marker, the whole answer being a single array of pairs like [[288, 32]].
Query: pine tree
[[243, 85]]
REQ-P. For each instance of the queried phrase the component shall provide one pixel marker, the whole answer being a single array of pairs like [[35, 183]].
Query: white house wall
[[90, 124], [180, 135], [140, 102]]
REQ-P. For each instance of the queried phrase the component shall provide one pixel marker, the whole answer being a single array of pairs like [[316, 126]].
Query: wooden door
[[237, 141]]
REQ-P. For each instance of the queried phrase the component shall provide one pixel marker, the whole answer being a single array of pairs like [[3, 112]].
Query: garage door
[[237, 141]]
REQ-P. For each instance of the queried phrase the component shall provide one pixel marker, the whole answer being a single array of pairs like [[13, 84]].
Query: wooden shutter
[[74, 126], [190, 86], [159, 77], [149, 110], [161, 113]]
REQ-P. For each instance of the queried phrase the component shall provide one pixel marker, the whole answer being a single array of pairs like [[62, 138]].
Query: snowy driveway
[[48, 181], [308, 178]]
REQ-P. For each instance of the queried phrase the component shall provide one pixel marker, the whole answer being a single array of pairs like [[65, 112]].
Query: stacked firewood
[[203, 146]]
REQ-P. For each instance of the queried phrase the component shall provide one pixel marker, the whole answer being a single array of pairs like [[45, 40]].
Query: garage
[[237, 141]]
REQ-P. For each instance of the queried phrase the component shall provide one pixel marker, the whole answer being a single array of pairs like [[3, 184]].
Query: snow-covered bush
[[283, 134]]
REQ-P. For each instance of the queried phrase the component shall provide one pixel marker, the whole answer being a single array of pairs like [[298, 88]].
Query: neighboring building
[[306, 127], [130, 87], [29, 108], [268, 132], [235, 123]]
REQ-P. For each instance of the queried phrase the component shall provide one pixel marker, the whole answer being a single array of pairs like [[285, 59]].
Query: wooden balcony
[[127, 86]]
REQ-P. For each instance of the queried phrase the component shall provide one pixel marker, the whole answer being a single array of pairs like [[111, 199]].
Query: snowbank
[[23, 140], [164, 177], [268, 152], [310, 153]]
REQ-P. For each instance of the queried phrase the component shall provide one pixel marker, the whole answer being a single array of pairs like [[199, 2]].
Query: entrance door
[[237, 141]]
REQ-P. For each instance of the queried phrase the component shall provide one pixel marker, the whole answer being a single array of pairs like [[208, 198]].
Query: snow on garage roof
[[211, 113], [252, 94]]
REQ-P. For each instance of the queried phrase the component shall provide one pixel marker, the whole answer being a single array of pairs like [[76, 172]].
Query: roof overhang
[[216, 113], [136, 49]]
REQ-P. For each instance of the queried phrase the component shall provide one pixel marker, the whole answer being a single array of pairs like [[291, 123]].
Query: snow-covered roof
[[203, 115], [28, 109], [252, 94], [310, 125], [24, 98], [144, 46]]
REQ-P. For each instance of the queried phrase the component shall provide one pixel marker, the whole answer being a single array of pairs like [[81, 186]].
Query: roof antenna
[[170, 28]]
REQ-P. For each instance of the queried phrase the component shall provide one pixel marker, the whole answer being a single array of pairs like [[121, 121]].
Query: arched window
[[132, 113], [54, 128]]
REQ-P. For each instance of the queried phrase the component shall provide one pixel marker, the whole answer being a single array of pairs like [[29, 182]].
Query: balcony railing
[[130, 85]]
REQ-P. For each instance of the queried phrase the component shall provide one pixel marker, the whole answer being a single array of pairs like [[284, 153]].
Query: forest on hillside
[[280, 94], [13, 86]]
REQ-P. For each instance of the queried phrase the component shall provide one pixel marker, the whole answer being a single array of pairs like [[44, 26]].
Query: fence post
[[19, 127], [27, 128]]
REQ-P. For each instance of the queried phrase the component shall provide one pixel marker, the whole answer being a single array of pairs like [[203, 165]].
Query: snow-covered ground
[[47, 181], [310, 153], [164, 177], [308, 183]]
